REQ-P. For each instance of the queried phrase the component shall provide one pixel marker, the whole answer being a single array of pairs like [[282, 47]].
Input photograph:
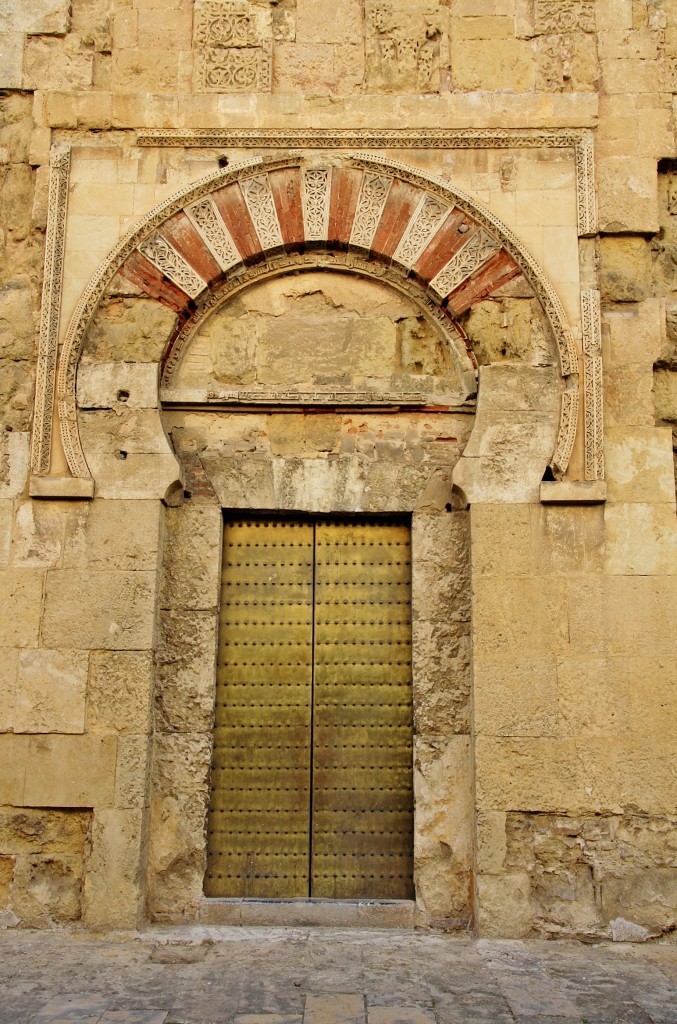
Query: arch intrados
[[426, 188]]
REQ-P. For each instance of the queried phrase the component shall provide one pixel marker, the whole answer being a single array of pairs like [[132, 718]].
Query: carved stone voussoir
[[233, 46]]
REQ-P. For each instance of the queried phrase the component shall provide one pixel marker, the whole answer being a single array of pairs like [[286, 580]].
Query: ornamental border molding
[[581, 140], [50, 311], [593, 384], [203, 187]]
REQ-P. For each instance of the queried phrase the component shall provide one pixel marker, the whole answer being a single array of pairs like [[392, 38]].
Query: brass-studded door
[[312, 767]]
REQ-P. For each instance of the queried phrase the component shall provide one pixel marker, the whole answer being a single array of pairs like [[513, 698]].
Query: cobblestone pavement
[[221, 975]]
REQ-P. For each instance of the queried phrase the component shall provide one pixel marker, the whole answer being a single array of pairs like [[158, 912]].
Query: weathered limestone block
[[21, 600], [57, 64], [640, 539], [47, 892], [627, 194], [440, 595], [567, 63], [114, 385], [443, 841], [328, 21], [70, 771], [41, 17], [241, 483], [128, 329], [639, 464], [119, 693], [534, 772], [629, 396], [622, 615], [113, 535], [633, 333], [625, 269], [13, 750], [145, 70], [665, 395], [523, 617], [566, 541], [123, 430], [38, 534], [132, 771], [9, 662], [17, 329], [16, 200], [50, 691], [507, 65], [513, 436], [113, 889], [127, 475], [16, 394], [6, 522], [186, 670], [192, 558], [178, 814], [442, 677], [99, 610], [16, 124], [516, 697], [509, 329], [491, 842], [11, 59], [501, 540], [503, 906]]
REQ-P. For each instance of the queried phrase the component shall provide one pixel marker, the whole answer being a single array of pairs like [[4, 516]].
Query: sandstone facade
[[358, 256]]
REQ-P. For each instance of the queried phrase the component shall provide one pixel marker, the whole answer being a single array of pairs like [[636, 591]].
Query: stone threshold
[[301, 912]]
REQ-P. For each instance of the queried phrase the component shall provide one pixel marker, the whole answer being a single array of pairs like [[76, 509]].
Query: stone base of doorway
[[295, 913]]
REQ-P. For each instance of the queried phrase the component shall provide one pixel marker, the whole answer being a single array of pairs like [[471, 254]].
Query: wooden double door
[[311, 783]]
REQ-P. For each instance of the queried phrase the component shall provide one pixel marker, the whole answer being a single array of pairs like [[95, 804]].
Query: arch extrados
[[351, 206]]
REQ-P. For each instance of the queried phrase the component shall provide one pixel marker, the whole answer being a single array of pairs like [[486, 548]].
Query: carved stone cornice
[[581, 140]]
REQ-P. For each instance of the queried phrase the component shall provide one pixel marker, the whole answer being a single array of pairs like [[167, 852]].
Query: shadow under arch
[[272, 215]]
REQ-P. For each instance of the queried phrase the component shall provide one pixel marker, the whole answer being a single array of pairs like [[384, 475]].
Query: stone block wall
[[564, 737]]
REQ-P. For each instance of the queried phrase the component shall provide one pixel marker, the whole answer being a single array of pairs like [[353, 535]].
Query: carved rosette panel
[[593, 384], [41, 445], [162, 255], [554, 16], [315, 197], [205, 218], [425, 222], [370, 206], [233, 46], [479, 248], [261, 205]]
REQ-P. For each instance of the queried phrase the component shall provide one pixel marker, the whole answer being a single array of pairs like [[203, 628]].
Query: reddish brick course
[[144, 275], [345, 192], [180, 233], [400, 204], [233, 209], [286, 188], [496, 272], [445, 243]]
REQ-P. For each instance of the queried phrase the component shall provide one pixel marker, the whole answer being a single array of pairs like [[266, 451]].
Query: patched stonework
[[233, 46]]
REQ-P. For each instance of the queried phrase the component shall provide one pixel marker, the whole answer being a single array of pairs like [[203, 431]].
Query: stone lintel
[[573, 492], [61, 487]]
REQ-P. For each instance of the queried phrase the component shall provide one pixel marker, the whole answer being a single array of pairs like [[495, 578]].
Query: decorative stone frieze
[[593, 384]]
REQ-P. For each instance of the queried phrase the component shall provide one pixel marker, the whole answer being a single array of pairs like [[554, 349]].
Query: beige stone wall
[[564, 754]]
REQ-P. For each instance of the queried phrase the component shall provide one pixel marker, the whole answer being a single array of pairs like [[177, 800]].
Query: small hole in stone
[[122, 455], [9, 428], [448, 506], [223, 161], [123, 395]]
